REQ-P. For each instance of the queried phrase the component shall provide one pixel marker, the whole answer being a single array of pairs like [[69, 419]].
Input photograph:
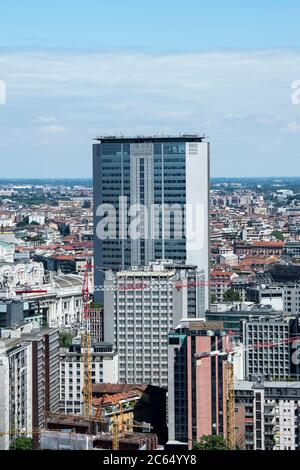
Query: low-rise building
[[104, 363], [292, 249], [266, 295], [11, 313], [232, 314], [52, 299], [137, 407], [260, 248], [221, 281], [7, 252], [229, 259]]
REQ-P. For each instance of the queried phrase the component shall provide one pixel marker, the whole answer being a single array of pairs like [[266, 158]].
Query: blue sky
[[76, 69]]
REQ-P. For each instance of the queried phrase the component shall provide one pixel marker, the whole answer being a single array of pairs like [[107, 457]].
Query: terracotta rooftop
[[110, 399], [277, 244], [222, 273], [258, 260], [63, 257], [111, 389]]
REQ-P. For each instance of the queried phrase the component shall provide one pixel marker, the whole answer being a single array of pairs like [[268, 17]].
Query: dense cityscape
[[149, 232], [146, 321]]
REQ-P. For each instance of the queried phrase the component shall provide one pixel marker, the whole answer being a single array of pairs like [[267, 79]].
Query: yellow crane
[[116, 442], [229, 371], [86, 343], [115, 424], [20, 432], [15, 434], [115, 419], [230, 416]]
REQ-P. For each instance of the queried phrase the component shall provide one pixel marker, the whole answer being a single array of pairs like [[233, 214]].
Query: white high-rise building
[[142, 305]]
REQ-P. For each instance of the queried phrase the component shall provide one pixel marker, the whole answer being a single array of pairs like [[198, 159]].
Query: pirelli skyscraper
[[151, 201]]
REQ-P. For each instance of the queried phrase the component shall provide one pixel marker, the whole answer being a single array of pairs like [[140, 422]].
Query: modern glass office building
[[151, 201]]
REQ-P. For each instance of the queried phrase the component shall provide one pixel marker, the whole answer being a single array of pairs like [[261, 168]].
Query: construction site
[[108, 420], [124, 416], [66, 432]]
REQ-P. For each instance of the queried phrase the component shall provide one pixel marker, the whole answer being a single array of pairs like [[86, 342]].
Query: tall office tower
[[151, 201], [271, 348], [142, 305], [197, 389], [267, 415]]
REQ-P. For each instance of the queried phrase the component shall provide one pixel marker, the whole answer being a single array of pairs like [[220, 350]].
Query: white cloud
[[129, 91], [51, 130], [238, 116], [293, 126], [44, 119], [241, 100]]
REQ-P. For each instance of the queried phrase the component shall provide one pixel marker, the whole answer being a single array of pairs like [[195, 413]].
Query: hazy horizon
[[219, 68]]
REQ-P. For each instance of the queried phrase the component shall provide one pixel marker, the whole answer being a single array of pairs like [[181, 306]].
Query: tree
[[65, 339], [87, 204], [23, 223], [21, 443], [210, 442], [213, 299], [44, 323], [231, 296], [278, 235]]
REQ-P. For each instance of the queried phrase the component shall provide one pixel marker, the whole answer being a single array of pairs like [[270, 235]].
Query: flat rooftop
[[111, 139], [247, 385]]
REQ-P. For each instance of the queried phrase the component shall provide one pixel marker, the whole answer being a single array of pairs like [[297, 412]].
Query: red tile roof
[[110, 389], [63, 257], [221, 274], [277, 244], [117, 397]]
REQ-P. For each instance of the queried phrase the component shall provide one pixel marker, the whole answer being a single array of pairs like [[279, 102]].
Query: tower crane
[[20, 432], [115, 419], [86, 343]]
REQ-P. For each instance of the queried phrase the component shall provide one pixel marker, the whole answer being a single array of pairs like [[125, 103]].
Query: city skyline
[[149, 229], [196, 74]]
